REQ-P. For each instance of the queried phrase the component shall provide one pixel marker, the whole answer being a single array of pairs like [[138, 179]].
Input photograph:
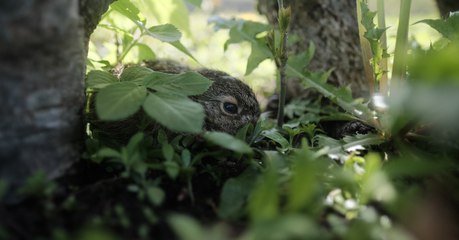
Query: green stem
[[401, 45], [281, 62], [129, 47], [382, 25], [366, 50]]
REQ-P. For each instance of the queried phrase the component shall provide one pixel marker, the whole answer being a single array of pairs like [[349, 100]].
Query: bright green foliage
[[248, 31], [99, 79], [131, 37], [120, 100], [241, 31], [168, 11], [187, 84], [174, 111], [449, 27], [165, 33], [165, 101], [227, 141]]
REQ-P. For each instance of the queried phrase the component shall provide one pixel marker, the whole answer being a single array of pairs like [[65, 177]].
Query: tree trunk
[[447, 6], [43, 47], [332, 26]]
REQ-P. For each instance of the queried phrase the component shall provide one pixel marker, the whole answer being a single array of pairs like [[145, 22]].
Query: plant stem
[[401, 45], [129, 47], [281, 59], [366, 51], [383, 82]]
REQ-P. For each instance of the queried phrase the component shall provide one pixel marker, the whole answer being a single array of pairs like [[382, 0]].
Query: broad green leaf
[[165, 33], [259, 53], [177, 113], [241, 31], [135, 74], [167, 11], [227, 141], [449, 27], [186, 228], [168, 152], [144, 52], [301, 61], [248, 31], [99, 79], [188, 84], [127, 9], [134, 142], [119, 101], [234, 194]]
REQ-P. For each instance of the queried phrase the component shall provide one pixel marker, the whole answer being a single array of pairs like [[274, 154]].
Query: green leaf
[[135, 74], [188, 84], [167, 11], [449, 27], [156, 195], [98, 79], [144, 52], [246, 31], [196, 3], [127, 9], [333, 146], [234, 194], [134, 142], [336, 95], [259, 53], [119, 101], [264, 200], [165, 33], [177, 113], [183, 49], [172, 169], [301, 61], [186, 158], [274, 135], [168, 152], [241, 31], [304, 180], [109, 153], [227, 141], [186, 228]]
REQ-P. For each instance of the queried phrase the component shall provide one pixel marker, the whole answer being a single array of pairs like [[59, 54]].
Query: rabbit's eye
[[230, 108]]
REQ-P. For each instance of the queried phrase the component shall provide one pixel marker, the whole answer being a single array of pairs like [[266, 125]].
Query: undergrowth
[[292, 181]]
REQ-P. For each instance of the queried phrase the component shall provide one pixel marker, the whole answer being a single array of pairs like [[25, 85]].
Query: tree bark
[[447, 6], [332, 26], [43, 47]]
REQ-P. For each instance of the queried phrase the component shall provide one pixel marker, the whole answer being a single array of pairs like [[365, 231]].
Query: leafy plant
[[163, 97]]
